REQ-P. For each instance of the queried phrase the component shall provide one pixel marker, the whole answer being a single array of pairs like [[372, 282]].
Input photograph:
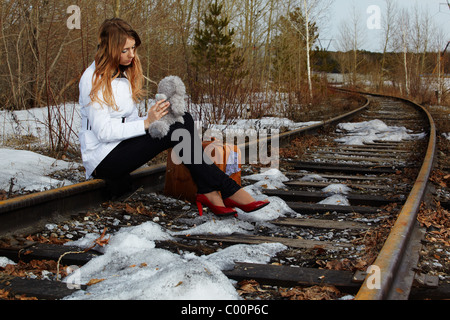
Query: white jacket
[[102, 128]]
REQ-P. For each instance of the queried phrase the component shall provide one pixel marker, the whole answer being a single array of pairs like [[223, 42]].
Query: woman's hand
[[159, 110]]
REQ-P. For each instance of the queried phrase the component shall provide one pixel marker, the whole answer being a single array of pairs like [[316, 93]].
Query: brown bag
[[179, 183]]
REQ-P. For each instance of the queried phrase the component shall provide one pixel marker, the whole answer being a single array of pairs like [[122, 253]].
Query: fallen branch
[[99, 241]]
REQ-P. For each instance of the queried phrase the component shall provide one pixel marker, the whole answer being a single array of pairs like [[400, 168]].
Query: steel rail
[[390, 257], [28, 213]]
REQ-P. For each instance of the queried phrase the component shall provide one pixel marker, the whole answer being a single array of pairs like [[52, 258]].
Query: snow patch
[[313, 177], [359, 133], [30, 171], [5, 261], [336, 199], [337, 188], [132, 268]]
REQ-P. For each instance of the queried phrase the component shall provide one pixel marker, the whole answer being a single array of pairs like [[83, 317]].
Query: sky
[[341, 9]]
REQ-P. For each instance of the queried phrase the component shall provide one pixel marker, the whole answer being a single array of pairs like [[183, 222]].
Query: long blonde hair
[[113, 36]]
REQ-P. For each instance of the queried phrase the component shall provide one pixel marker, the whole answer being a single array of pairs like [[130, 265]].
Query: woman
[[114, 140]]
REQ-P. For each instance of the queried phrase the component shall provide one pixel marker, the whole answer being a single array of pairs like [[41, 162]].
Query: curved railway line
[[345, 246]]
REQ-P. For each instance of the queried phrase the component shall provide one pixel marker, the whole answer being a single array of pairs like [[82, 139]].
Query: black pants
[[131, 154]]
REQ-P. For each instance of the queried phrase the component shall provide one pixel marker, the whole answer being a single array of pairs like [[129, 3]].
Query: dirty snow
[[131, 268], [336, 194], [358, 133], [5, 261], [337, 188], [26, 170], [263, 123], [313, 177], [336, 199]]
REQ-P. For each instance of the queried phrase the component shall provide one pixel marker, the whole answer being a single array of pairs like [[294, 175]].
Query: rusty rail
[[390, 257], [30, 212]]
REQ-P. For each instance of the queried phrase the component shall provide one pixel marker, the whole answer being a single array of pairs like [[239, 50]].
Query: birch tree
[[116, 8], [388, 24], [404, 39], [423, 30], [314, 11]]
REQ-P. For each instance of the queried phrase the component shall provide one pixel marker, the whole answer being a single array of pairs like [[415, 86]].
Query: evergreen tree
[[217, 65]]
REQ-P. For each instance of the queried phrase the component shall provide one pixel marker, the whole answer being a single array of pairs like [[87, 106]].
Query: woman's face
[[127, 55]]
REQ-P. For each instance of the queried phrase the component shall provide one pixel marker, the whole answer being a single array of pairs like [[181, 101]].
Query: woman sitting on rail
[[114, 139]]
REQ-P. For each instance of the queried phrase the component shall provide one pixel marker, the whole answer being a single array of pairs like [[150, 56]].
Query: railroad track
[[325, 244]]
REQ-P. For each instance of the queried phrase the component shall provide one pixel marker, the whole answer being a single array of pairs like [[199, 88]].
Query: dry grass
[[441, 115]]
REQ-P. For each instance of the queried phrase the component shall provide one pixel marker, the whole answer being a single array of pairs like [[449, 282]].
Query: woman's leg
[[128, 156], [210, 178], [207, 176], [133, 153]]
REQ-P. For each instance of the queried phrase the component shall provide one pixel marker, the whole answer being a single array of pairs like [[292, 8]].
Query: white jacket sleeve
[[135, 116], [111, 129]]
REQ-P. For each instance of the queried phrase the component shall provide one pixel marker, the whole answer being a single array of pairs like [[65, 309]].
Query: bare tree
[[352, 35], [403, 37], [388, 24], [117, 8], [314, 11], [423, 30]]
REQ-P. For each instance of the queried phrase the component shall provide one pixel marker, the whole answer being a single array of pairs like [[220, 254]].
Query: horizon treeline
[[271, 46]]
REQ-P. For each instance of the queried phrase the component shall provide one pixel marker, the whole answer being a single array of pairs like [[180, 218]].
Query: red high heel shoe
[[201, 200], [256, 205]]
